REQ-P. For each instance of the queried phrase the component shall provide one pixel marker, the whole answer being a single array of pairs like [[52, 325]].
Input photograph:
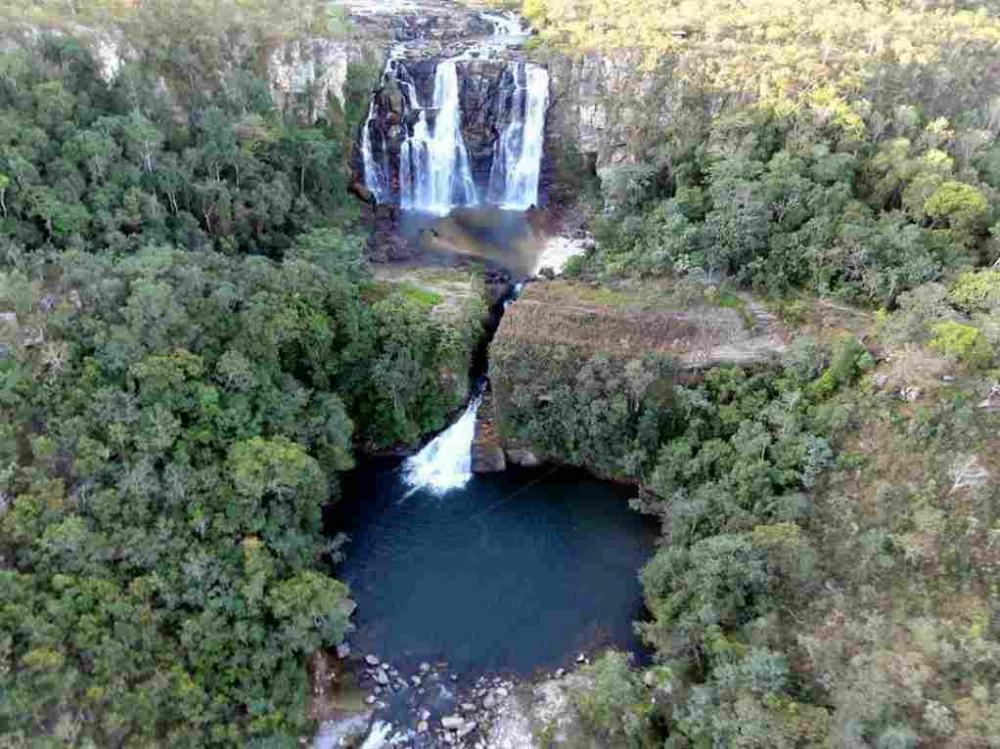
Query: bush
[[614, 705], [964, 343], [976, 291]]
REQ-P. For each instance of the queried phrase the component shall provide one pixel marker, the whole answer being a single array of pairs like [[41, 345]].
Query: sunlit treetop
[[774, 49]]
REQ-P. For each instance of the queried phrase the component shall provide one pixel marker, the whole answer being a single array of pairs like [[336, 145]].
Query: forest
[[193, 347], [825, 576]]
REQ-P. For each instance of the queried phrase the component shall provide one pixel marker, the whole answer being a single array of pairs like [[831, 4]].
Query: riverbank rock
[[523, 457], [540, 716], [452, 722], [487, 452]]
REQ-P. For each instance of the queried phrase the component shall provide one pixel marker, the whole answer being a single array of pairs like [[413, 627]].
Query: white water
[[506, 26], [446, 462], [377, 174], [434, 164], [375, 179], [517, 156]]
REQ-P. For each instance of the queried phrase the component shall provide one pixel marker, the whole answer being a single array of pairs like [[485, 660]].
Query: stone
[[425, 714], [560, 672], [488, 458], [649, 679], [452, 722], [422, 726], [382, 677], [467, 729], [371, 660], [370, 699], [425, 667], [581, 658], [415, 680], [489, 701], [343, 650], [523, 457], [468, 707]]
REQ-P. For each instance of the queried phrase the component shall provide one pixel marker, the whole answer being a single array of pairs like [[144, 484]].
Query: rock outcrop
[[632, 319]]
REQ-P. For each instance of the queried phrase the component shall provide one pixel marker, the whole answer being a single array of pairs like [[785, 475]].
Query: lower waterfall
[[446, 462]]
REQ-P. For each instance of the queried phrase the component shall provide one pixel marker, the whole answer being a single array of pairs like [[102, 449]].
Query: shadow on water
[[511, 239], [515, 572]]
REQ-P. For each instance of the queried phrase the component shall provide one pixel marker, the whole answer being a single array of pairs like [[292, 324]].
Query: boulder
[[523, 457], [452, 722], [488, 458]]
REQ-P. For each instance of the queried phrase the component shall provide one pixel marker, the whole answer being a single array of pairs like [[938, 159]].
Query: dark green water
[[517, 571]]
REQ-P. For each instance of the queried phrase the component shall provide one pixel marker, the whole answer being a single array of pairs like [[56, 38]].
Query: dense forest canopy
[[192, 347], [825, 577]]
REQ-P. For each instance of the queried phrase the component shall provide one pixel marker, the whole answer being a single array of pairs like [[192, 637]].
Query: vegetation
[[824, 576], [192, 347]]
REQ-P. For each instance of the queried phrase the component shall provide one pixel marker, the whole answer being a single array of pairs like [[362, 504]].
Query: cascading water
[[446, 462], [377, 171], [517, 157], [434, 164]]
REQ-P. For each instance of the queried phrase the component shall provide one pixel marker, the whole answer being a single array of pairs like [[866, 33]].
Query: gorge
[[485, 576], [414, 373]]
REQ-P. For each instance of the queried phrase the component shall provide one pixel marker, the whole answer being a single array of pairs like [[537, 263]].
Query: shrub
[[964, 343], [614, 704], [976, 291]]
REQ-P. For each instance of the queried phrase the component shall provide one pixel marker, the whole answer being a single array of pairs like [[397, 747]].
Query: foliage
[[963, 342], [976, 291], [793, 211], [92, 166], [177, 420], [613, 703], [782, 52]]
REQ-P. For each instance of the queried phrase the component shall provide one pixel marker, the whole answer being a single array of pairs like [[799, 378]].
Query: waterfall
[[434, 164], [377, 173], [517, 156], [376, 180], [446, 462]]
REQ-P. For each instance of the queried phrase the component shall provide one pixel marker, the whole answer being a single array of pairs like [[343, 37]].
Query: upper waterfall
[[517, 157], [434, 164], [475, 136]]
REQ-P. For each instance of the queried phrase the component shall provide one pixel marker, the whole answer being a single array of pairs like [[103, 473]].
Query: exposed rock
[[343, 732], [520, 456], [372, 660], [452, 722], [487, 452], [306, 75], [343, 650], [631, 319], [992, 401], [488, 458], [544, 708]]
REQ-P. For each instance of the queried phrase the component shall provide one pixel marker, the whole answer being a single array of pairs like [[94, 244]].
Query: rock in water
[[452, 722]]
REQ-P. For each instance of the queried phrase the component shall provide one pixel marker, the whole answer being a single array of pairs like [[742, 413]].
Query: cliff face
[[586, 375]]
